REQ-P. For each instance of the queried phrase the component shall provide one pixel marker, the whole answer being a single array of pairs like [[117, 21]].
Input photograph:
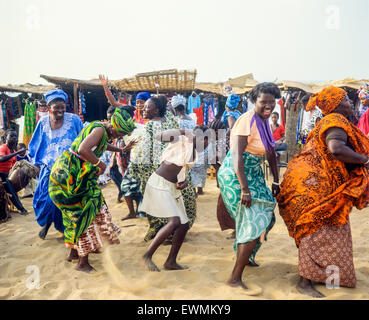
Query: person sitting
[[31, 186], [8, 158], [278, 132]]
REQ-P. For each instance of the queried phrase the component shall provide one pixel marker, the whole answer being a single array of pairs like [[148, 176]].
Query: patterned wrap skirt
[[254, 222], [101, 230], [74, 190], [326, 256]]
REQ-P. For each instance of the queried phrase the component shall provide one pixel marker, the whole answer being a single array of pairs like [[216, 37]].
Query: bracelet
[[276, 183], [245, 194], [366, 162], [97, 163]]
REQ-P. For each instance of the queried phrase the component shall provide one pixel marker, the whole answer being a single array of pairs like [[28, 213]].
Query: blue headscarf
[[143, 96], [233, 101], [55, 94]]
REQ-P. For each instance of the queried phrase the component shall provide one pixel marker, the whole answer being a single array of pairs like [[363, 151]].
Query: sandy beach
[[207, 252]]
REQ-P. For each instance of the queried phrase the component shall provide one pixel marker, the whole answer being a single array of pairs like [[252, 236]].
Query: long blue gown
[[45, 146]]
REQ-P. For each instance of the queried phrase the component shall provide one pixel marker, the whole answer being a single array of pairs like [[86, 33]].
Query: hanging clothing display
[[193, 103], [244, 104], [209, 110], [2, 123], [29, 121], [5, 117], [82, 106], [199, 114]]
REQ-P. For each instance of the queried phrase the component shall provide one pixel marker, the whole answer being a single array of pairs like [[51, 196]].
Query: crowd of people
[[158, 158]]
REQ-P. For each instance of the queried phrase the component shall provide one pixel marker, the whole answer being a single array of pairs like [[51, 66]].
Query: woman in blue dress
[[53, 135]]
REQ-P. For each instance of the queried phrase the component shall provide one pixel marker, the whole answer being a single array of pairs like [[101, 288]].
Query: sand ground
[[119, 274]]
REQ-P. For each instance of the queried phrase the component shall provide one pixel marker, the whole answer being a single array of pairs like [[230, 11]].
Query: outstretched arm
[[108, 94], [11, 155]]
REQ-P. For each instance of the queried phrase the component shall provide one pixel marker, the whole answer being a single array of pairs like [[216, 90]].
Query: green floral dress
[[74, 189], [148, 160]]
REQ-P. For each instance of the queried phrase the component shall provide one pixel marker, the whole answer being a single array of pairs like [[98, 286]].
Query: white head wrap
[[177, 100]]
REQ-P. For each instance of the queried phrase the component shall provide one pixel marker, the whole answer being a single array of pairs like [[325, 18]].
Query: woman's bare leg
[[178, 238], [132, 213], [161, 236], [243, 254]]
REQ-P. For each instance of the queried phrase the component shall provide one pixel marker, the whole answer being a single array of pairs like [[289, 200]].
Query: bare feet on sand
[[151, 266], [85, 268], [130, 216], [305, 286], [84, 265], [73, 255], [173, 266], [237, 283]]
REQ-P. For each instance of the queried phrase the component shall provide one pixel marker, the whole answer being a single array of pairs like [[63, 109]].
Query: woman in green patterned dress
[[148, 158], [241, 180], [74, 189]]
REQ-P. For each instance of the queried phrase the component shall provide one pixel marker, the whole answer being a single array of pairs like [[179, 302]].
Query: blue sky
[[302, 40]]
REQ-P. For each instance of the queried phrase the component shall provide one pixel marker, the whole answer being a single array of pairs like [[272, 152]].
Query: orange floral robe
[[317, 189]]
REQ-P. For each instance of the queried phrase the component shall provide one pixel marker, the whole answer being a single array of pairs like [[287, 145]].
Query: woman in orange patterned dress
[[320, 187]]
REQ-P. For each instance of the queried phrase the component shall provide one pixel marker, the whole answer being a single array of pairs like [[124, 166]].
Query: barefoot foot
[[151, 266], [73, 255], [85, 268], [305, 286], [253, 264], [129, 216], [237, 283], [174, 266], [84, 265]]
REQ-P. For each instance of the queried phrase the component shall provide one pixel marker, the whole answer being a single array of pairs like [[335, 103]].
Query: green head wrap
[[122, 121]]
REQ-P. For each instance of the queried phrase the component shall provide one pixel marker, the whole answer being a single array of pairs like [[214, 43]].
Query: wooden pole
[[76, 99]]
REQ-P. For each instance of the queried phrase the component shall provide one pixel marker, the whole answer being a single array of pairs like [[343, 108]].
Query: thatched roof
[[164, 80], [315, 87], [27, 88], [240, 85], [68, 83]]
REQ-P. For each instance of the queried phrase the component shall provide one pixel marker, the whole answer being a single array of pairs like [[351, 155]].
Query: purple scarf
[[265, 133]]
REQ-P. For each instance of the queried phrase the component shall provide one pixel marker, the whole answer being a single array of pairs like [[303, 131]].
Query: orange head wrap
[[326, 100]]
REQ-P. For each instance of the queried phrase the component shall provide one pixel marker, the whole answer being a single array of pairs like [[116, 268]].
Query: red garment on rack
[[199, 114]]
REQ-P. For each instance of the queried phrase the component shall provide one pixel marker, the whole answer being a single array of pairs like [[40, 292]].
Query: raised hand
[[103, 80]]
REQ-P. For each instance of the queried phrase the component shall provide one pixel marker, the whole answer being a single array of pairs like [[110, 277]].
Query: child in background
[[31, 187]]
